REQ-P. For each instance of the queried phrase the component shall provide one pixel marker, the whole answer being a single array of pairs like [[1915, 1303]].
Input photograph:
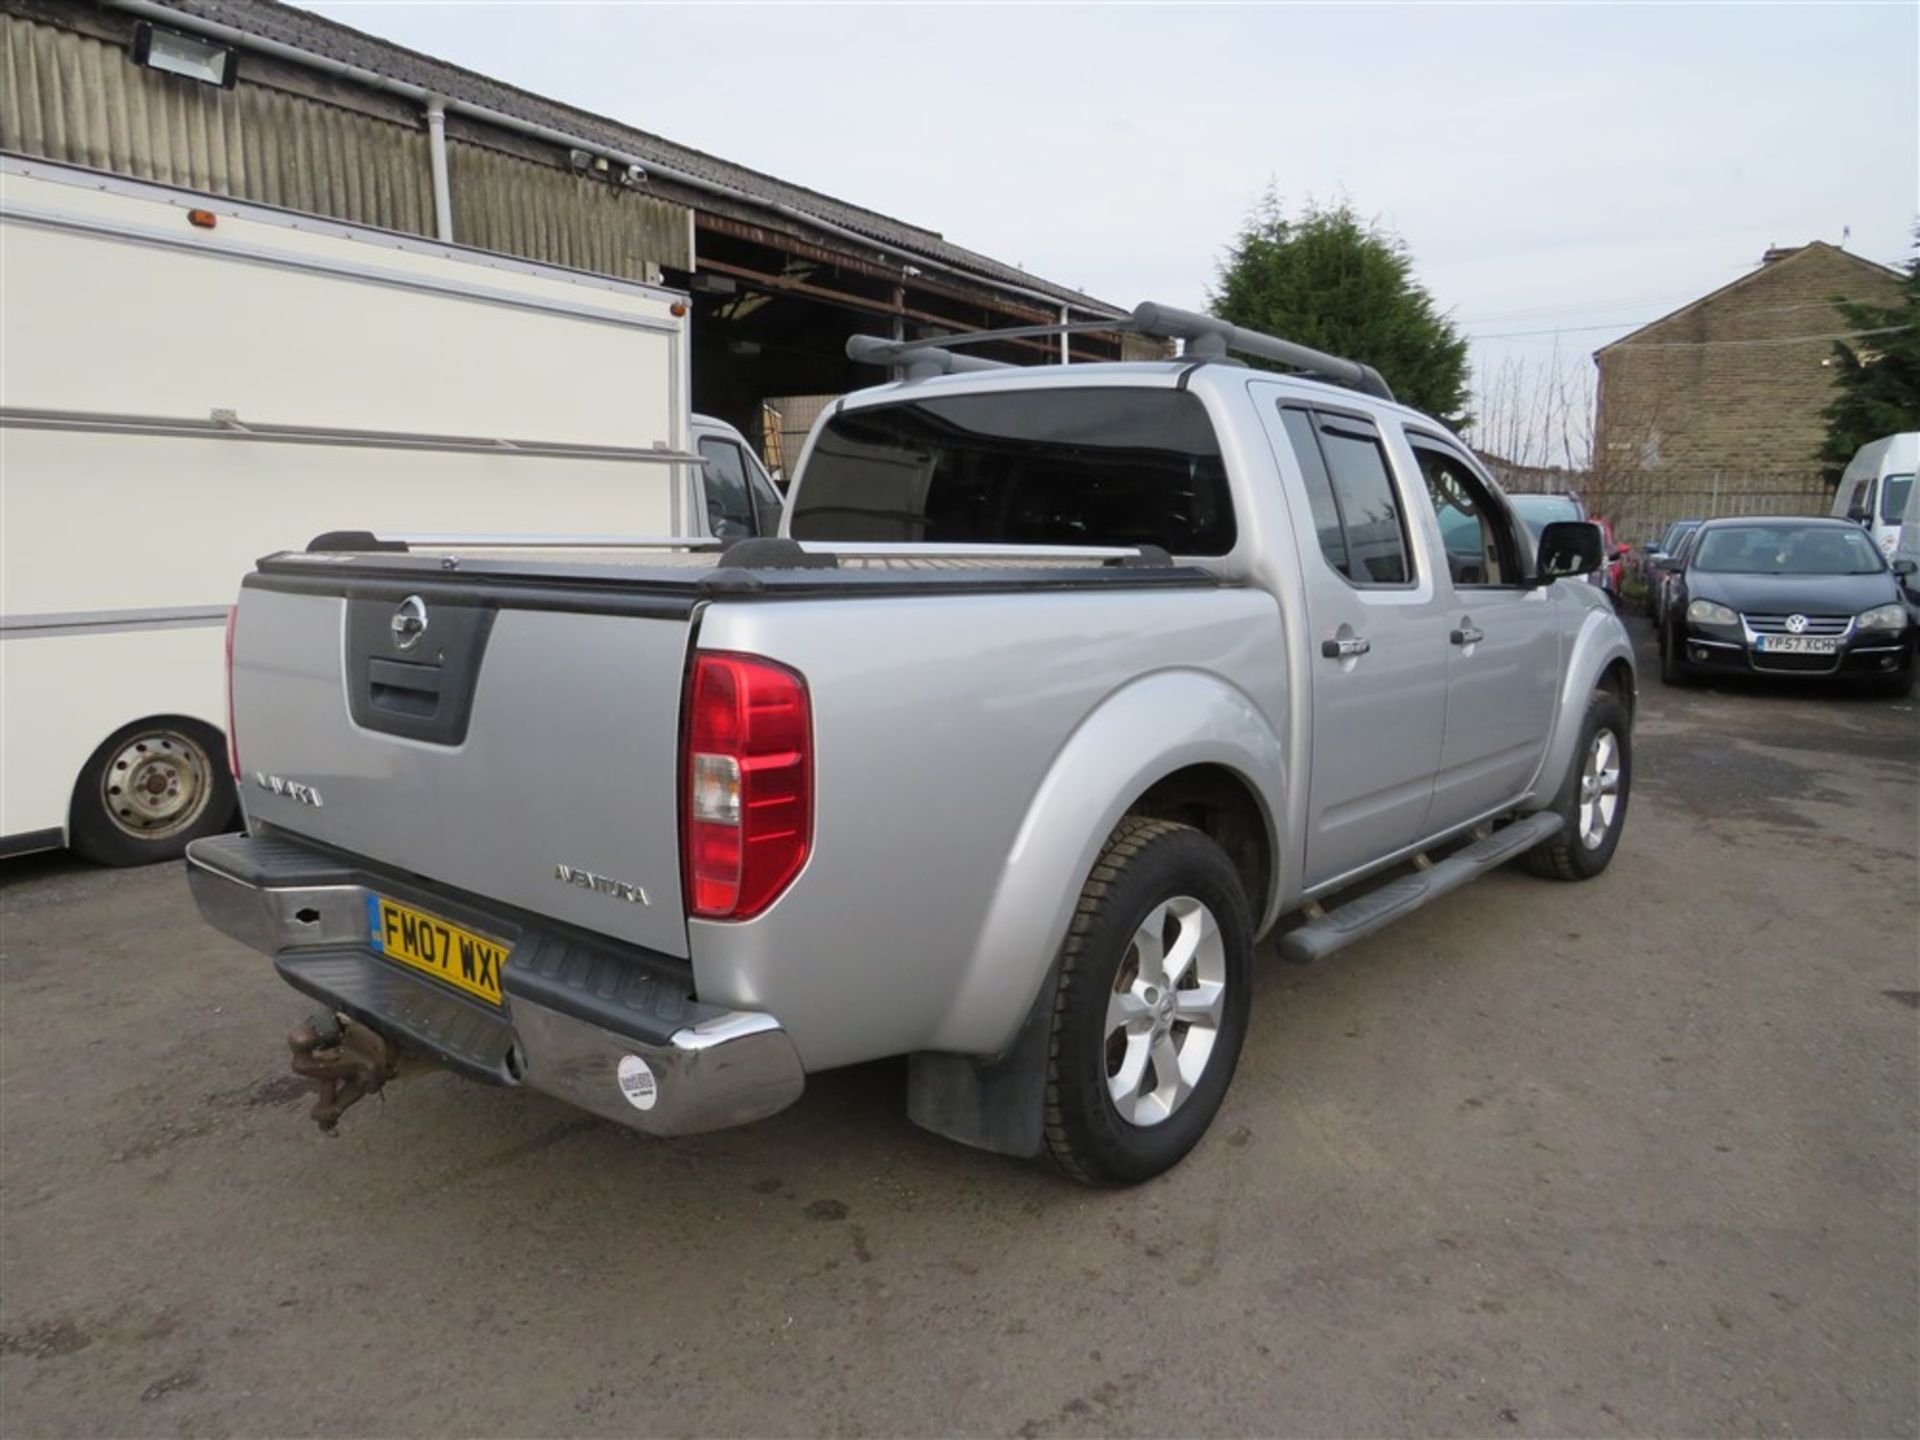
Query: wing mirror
[[1860, 515], [1569, 548], [1668, 563], [1904, 567]]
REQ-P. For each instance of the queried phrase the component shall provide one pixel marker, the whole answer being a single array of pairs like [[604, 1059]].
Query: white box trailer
[[188, 383]]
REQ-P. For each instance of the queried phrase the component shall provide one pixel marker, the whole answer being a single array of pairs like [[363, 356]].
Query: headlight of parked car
[[1708, 612], [1885, 617]]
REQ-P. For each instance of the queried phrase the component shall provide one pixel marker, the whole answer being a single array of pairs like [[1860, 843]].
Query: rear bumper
[[608, 1028]]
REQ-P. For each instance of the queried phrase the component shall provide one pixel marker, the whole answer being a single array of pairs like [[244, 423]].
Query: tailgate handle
[[404, 688]]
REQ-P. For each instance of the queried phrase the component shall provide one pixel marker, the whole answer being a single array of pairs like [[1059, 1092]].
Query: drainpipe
[[437, 153], [1066, 341], [246, 39]]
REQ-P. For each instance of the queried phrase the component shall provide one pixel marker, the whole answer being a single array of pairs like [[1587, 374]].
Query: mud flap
[[995, 1103]]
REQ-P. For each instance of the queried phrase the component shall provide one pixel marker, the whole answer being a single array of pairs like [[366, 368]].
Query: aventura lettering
[[601, 885]]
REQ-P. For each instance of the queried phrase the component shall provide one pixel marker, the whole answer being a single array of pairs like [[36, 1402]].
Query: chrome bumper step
[[613, 1029]]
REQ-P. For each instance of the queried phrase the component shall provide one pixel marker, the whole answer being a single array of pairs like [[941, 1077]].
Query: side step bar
[[1337, 929]]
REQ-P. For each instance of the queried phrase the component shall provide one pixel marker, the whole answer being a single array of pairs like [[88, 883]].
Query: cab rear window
[[1105, 466]]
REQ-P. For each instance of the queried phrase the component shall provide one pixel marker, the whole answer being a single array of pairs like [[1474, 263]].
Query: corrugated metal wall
[[76, 98], [518, 207]]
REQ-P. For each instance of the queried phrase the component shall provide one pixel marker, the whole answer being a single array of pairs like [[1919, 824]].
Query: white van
[[191, 382], [1874, 488], [1907, 547]]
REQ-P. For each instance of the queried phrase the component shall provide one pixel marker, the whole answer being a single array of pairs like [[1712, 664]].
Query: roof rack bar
[[1208, 338], [1203, 336], [1020, 332], [917, 358]]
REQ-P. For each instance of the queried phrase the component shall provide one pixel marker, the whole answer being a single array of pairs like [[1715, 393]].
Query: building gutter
[[430, 102]]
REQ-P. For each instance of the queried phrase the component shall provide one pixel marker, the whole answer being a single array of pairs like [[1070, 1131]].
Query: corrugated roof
[[329, 38]]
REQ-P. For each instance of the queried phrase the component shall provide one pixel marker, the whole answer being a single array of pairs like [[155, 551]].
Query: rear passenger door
[[1379, 652], [1503, 641]]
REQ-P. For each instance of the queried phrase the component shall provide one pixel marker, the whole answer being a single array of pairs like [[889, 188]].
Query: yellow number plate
[[463, 959]]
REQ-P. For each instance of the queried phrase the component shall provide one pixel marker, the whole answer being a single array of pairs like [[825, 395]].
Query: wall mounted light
[[187, 56]]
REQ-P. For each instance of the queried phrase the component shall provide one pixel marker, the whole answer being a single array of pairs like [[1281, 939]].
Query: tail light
[[233, 736], [746, 796]]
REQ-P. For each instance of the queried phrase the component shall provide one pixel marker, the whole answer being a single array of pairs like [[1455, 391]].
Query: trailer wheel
[[1155, 992], [151, 788]]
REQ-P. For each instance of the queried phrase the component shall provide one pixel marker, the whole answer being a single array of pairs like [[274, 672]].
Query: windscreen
[[1786, 549], [1893, 498], [1103, 466]]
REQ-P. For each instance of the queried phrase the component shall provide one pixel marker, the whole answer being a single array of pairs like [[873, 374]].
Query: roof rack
[[1202, 338]]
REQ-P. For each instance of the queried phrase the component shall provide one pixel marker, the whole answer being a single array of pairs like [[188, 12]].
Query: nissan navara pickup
[[1060, 690]]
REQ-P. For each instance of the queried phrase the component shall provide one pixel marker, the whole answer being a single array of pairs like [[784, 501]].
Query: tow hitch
[[345, 1060]]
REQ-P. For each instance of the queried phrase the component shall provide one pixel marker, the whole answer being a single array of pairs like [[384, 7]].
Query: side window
[[1859, 503], [1473, 529], [729, 504], [764, 493], [1356, 510], [1326, 514]]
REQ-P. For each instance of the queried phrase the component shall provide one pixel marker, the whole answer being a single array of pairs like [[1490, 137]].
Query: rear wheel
[[1155, 991], [1593, 798], [150, 790]]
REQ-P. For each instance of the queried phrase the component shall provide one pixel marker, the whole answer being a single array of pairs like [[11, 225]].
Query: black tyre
[[1897, 686], [151, 789], [1675, 668], [1593, 797], [1155, 991]]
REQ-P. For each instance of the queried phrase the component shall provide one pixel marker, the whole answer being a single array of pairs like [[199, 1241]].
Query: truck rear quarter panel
[[972, 754]]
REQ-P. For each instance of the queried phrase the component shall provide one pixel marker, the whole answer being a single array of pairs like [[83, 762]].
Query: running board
[[1337, 929]]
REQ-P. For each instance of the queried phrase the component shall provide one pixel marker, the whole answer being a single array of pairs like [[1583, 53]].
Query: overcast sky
[[1555, 168]]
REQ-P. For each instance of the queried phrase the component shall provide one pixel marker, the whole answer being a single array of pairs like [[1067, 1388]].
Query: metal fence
[[1640, 504]]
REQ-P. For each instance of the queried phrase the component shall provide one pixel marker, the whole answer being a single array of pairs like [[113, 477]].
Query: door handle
[[1345, 649], [1467, 635]]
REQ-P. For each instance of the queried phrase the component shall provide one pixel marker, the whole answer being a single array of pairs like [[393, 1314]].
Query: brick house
[[1731, 386]]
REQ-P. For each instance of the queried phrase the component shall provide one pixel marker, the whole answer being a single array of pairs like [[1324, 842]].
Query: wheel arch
[[1171, 744], [1220, 802], [1600, 657], [1181, 745]]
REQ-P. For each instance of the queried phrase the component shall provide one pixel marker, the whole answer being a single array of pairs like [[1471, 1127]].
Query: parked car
[[1064, 687], [1664, 575], [1873, 489], [1613, 573], [1665, 543], [185, 394], [1772, 596]]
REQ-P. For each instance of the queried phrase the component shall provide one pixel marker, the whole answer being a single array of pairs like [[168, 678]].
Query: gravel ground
[[1636, 1156]]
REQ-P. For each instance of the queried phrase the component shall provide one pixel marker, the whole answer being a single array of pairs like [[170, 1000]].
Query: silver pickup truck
[[1062, 688]]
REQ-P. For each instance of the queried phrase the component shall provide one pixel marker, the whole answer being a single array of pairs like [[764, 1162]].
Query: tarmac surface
[[1635, 1156]]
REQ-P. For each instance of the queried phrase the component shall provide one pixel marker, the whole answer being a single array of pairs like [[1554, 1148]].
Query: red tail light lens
[[746, 796], [233, 736]]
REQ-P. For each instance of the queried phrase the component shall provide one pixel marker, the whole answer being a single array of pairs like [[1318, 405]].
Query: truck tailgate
[[522, 748]]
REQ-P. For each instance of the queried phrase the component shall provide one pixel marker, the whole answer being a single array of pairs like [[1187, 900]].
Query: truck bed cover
[[673, 575]]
